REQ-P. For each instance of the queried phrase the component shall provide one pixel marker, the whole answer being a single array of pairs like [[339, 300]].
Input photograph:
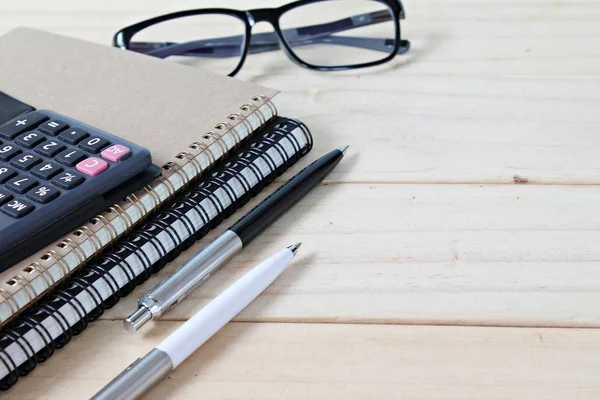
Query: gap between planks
[[516, 181], [374, 322]]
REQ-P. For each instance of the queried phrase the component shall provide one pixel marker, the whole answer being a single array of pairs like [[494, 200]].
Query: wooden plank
[[434, 254], [452, 130], [491, 92], [300, 361]]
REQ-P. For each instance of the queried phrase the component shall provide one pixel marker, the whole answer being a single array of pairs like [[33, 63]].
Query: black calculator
[[55, 173]]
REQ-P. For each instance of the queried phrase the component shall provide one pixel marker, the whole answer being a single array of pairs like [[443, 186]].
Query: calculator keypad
[[55, 174], [44, 156]]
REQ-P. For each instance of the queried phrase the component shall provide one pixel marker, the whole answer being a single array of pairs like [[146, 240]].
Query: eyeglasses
[[325, 35]]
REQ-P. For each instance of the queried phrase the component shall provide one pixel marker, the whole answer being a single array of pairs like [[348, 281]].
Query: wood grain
[[299, 361], [469, 197], [436, 254]]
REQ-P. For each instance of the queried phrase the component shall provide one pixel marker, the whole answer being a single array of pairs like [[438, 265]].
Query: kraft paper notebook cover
[[188, 118]]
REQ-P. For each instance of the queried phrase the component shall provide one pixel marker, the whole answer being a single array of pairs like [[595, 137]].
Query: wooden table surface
[[452, 255]]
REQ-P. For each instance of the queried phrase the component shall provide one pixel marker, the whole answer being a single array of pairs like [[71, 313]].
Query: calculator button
[[49, 148], [25, 161], [68, 180], [17, 208], [20, 124], [8, 151], [92, 166], [53, 127], [30, 139], [6, 173], [43, 194], [70, 156], [21, 184], [46, 170], [4, 196], [73, 136], [115, 152], [94, 144]]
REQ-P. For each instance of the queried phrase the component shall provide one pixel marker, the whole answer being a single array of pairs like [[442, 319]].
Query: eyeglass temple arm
[[262, 42], [231, 50], [322, 33]]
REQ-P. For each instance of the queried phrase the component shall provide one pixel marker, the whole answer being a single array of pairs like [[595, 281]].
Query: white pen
[[147, 371]]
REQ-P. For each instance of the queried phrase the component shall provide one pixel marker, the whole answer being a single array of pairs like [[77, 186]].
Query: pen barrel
[[216, 314], [281, 200], [138, 378], [171, 291]]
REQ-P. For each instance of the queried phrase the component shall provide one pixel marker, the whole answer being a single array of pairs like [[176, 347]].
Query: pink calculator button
[[92, 166], [115, 152]]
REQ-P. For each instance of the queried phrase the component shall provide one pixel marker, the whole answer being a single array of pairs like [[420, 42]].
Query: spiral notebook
[[33, 337], [188, 118]]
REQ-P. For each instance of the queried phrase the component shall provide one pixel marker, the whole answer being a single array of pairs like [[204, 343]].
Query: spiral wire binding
[[35, 266], [223, 128], [65, 305]]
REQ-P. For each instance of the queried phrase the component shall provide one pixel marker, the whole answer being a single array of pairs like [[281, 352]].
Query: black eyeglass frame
[[250, 18]]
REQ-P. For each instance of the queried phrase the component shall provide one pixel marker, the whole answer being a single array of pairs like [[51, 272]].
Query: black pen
[[172, 290]]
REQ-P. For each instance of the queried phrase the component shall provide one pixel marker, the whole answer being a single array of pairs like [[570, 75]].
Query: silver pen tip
[[294, 248], [137, 319], [343, 148]]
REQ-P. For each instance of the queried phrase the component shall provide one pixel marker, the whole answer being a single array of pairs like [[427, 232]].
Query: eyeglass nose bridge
[[268, 15], [262, 15]]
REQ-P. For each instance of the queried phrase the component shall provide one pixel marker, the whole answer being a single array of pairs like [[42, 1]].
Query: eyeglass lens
[[339, 33], [191, 40]]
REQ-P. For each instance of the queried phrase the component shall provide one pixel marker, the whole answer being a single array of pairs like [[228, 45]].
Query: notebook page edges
[[22, 284]]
